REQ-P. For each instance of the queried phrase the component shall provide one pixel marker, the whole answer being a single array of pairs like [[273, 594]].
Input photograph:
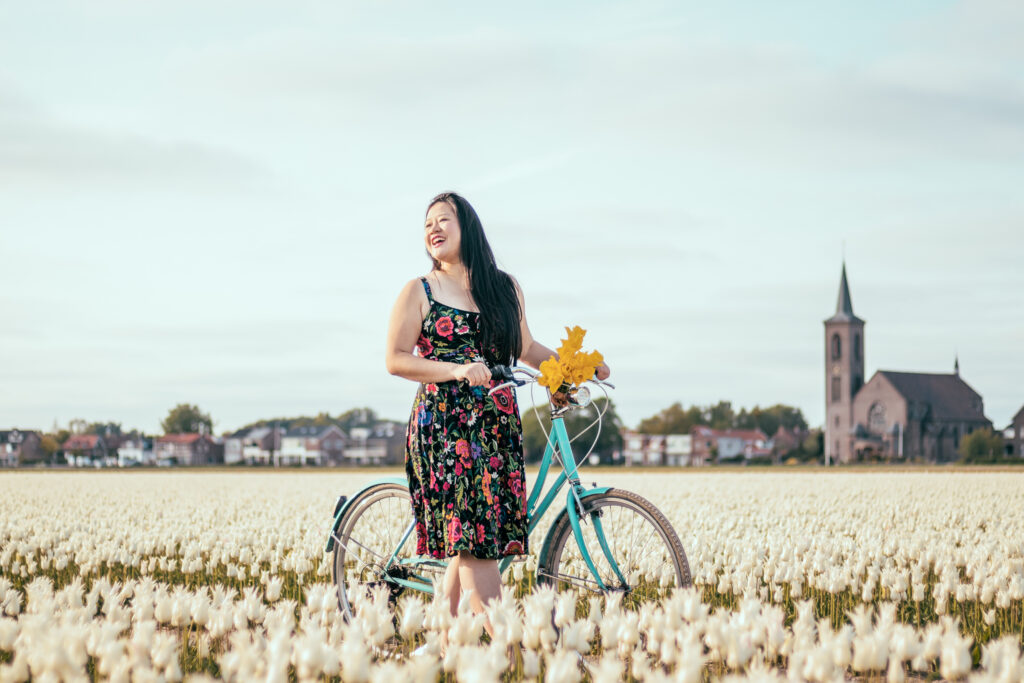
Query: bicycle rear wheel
[[367, 538], [642, 542]]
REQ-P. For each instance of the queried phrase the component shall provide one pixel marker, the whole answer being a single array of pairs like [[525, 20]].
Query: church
[[896, 416]]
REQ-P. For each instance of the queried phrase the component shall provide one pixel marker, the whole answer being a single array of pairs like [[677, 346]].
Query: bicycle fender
[[348, 503], [545, 549]]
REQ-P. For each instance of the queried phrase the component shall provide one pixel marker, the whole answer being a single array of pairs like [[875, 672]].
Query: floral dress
[[464, 451]]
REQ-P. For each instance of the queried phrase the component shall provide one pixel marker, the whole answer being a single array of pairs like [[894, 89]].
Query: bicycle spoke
[[367, 552], [639, 543], [581, 581]]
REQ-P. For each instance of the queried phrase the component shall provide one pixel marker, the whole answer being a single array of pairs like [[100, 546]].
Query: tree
[[677, 420], [104, 428], [48, 446], [185, 418], [608, 441], [672, 420], [720, 415], [813, 446], [982, 447], [356, 417], [768, 420]]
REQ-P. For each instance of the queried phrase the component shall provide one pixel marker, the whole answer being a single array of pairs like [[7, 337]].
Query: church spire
[[956, 365], [844, 304]]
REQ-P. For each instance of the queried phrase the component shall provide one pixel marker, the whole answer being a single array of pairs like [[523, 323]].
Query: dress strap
[[426, 287]]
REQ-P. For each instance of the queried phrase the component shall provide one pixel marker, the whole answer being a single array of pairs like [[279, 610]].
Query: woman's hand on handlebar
[[602, 372], [477, 374]]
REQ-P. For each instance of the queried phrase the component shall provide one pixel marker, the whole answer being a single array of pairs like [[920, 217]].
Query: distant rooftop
[[948, 396]]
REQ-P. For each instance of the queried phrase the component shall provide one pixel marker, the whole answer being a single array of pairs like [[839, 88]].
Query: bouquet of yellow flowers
[[572, 366]]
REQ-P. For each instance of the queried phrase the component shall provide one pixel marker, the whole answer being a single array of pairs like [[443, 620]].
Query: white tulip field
[[798, 576]]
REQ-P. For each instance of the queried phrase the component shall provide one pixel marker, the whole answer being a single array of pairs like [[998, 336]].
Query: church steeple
[[956, 365], [844, 304], [844, 374]]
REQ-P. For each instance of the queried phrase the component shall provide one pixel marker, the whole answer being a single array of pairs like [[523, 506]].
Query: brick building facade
[[895, 415]]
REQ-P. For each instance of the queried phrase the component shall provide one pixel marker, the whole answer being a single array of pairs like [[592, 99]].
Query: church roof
[[844, 304], [948, 396]]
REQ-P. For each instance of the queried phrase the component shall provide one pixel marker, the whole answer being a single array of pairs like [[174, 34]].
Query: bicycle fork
[[576, 510]]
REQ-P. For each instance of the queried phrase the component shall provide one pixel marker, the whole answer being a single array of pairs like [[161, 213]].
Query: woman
[[464, 455]]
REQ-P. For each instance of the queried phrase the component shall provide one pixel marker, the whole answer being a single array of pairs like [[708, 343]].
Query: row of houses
[[381, 443], [17, 445], [703, 445]]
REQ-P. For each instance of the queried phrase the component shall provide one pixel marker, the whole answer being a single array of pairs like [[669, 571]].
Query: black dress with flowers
[[464, 451]]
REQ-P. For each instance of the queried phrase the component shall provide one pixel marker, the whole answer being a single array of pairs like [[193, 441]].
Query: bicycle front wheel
[[649, 560], [367, 552]]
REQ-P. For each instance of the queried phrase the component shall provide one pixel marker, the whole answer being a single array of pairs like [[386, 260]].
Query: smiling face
[[442, 234]]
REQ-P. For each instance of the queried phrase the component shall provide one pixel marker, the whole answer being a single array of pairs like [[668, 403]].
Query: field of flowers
[[149, 576]]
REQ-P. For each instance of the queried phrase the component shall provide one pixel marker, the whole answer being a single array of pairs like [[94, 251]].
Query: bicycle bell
[[581, 397]]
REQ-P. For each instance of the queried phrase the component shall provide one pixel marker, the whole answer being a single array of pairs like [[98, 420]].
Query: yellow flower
[[572, 366], [550, 374], [572, 343]]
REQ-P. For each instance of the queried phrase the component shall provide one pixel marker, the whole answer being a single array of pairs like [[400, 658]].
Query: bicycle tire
[[564, 563], [367, 535]]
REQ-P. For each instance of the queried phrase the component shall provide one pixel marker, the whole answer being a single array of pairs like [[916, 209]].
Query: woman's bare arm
[[404, 328]]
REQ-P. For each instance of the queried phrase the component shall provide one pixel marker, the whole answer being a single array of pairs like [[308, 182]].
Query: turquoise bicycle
[[603, 540]]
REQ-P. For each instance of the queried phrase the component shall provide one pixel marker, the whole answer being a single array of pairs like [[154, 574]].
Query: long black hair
[[492, 289]]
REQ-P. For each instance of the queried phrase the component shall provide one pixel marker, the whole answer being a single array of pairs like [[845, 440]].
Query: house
[[187, 449], [135, 449], [678, 449], [785, 441], [735, 443], [895, 415], [81, 450], [643, 449], [253, 446], [380, 444], [234, 446], [707, 444], [656, 449], [312, 445], [18, 446], [633, 447], [1015, 435], [704, 444]]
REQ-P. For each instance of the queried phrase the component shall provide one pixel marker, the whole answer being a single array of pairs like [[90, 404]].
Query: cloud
[[37, 148], [765, 103]]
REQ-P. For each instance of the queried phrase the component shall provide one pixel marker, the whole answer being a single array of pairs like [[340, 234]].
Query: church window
[[836, 390], [856, 346], [837, 347], [876, 418], [857, 383]]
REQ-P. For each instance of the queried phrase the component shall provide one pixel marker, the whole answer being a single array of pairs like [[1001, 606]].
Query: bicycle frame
[[558, 443]]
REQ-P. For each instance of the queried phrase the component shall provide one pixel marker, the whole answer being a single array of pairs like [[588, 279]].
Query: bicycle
[[370, 536]]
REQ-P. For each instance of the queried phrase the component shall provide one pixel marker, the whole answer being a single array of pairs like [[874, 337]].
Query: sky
[[218, 202]]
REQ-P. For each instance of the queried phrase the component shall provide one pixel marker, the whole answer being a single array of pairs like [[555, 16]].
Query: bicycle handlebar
[[502, 373], [506, 376]]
